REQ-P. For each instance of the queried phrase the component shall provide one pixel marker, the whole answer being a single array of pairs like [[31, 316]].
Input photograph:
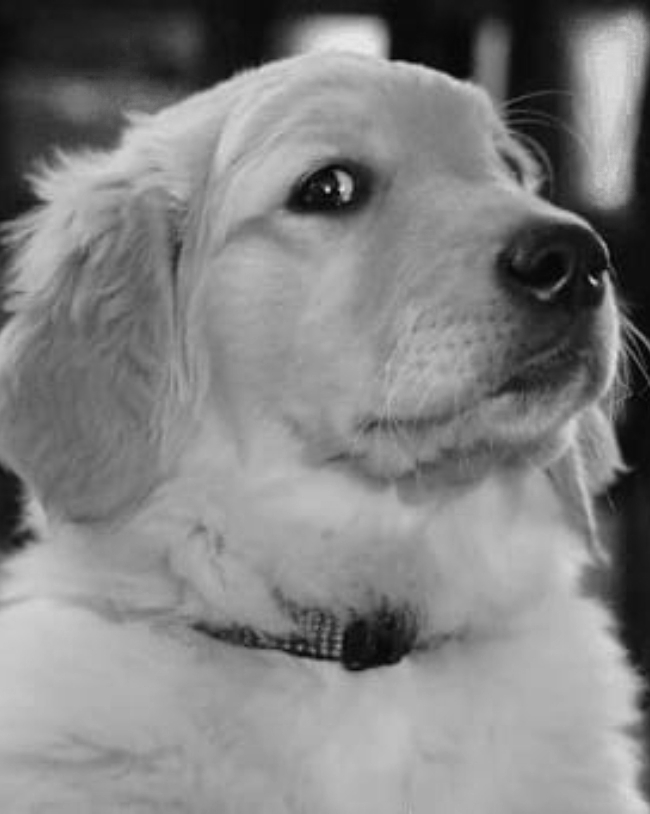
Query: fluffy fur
[[216, 399]]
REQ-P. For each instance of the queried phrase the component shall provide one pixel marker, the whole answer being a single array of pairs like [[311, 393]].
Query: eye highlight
[[332, 189]]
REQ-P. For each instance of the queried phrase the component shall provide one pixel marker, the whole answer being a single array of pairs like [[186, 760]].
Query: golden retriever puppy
[[305, 379]]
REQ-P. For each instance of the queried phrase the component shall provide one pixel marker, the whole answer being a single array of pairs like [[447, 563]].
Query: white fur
[[181, 385]]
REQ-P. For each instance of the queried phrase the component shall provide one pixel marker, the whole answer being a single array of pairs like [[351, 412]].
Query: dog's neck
[[219, 553]]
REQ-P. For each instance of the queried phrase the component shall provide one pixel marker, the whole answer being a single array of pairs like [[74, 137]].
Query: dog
[[311, 389]]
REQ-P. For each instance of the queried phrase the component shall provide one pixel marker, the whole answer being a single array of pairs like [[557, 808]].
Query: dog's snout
[[557, 264]]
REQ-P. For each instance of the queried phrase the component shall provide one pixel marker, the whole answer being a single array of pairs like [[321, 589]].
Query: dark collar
[[357, 642]]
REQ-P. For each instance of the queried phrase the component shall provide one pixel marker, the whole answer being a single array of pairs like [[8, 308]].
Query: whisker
[[536, 94], [539, 118], [636, 350]]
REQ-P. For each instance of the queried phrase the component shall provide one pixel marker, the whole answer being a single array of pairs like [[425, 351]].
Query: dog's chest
[[393, 741], [143, 723]]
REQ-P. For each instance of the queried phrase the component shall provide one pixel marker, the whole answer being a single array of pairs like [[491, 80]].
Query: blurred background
[[571, 75]]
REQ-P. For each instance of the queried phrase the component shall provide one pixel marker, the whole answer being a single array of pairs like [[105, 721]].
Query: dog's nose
[[557, 264]]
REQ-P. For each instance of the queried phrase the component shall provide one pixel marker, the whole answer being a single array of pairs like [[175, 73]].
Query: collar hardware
[[358, 642]]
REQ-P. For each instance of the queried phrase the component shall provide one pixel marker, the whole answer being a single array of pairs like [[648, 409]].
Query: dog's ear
[[86, 362], [586, 469]]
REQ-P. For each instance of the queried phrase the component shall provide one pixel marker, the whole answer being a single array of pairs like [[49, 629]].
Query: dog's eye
[[513, 167], [329, 190]]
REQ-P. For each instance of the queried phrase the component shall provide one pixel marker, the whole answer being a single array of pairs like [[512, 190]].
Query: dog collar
[[358, 643]]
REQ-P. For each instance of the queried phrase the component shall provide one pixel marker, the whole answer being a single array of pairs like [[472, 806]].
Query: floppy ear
[[86, 363], [591, 463]]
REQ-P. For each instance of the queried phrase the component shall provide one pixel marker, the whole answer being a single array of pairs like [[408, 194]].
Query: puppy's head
[[336, 261]]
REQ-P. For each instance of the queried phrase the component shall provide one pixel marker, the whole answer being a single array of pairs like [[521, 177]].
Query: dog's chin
[[524, 419]]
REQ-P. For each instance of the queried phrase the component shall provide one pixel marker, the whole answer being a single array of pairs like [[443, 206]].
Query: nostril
[[558, 263], [547, 273]]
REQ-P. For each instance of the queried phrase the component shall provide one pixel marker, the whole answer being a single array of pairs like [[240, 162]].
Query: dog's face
[[389, 290], [335, 260]]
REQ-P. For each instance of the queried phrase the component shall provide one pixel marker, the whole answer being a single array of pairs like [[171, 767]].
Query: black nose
[[557, 264]]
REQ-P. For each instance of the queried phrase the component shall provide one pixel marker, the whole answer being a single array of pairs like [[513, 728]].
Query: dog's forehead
[[363, 99]]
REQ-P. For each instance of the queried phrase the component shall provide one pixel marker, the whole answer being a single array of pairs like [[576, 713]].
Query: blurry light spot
[[608, 54], [78, 102], [492, 57], [364, 34]]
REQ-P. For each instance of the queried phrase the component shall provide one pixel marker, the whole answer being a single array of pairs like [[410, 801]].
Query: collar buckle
[[358, 643]]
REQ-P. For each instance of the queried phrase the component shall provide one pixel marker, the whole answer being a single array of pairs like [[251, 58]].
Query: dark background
[[576, 72]]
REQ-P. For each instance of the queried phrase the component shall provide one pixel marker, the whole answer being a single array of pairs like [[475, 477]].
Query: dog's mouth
[[503, 417], [544, 370]]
